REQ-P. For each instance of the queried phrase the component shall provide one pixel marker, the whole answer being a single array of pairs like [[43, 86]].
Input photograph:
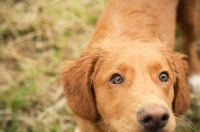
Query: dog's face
[[136, 87], [131, 80]]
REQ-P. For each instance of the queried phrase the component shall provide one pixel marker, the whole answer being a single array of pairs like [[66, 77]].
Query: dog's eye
[[164, 77], [116, 79]]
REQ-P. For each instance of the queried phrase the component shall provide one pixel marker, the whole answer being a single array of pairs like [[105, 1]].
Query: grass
[[35, 38]]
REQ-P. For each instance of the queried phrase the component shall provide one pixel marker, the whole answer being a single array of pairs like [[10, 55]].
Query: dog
[[129, 79]]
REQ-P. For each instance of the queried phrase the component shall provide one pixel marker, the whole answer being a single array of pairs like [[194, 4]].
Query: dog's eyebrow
[[155, 66]]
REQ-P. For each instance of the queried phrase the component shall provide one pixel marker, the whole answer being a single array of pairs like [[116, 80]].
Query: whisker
[[181, 124], [191, 125], [178, 128], [185, 122], [93, 124], [108, 129]]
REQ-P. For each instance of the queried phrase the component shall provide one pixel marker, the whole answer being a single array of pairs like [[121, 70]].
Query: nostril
[[165, 117], [147, 119]]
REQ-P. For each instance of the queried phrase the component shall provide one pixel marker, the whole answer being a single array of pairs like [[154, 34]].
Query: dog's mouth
[[162, 130]]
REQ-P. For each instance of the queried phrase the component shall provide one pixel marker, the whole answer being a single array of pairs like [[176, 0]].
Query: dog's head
[[128, 86]]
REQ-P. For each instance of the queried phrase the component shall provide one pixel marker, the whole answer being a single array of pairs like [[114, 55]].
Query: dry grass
[[35, 37]]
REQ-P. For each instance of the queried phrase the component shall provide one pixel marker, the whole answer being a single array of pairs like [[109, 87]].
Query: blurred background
[[36, 36]]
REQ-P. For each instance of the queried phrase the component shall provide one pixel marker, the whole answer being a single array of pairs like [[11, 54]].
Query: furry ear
[[76, 82], [181, 88]]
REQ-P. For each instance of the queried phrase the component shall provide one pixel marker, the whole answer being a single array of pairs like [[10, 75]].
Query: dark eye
[[116, 79], [164, 77]]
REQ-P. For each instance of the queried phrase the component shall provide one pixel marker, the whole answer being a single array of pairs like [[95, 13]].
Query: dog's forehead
[[141, 53]]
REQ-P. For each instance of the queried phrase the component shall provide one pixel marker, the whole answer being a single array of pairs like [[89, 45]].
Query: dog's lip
[[161, 130], [144, 130], [157, 131]]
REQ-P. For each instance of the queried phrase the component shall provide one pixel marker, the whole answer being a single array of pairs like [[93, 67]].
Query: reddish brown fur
[[126, 42], [76, 80], [181, 89]]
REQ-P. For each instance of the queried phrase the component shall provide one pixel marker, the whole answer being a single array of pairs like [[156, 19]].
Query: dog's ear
[[181, 88], [76, 78]]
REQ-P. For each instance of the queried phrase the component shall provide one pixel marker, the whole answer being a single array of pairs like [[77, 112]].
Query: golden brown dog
[[129, 79]]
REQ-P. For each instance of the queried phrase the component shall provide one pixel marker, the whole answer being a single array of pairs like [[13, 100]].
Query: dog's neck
[[123, 21]]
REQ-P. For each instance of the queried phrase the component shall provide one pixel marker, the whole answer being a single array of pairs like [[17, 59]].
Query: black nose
[[153, 118]]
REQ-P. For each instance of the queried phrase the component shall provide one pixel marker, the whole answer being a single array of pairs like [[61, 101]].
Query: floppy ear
[[181, 88], [76, 82]]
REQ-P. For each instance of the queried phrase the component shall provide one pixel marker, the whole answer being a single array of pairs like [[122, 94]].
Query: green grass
[[35, 38]]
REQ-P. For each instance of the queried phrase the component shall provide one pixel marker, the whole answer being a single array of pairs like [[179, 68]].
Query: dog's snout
[[153, 118]]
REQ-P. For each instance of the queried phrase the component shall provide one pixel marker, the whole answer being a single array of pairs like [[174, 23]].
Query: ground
[[36, 36]]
